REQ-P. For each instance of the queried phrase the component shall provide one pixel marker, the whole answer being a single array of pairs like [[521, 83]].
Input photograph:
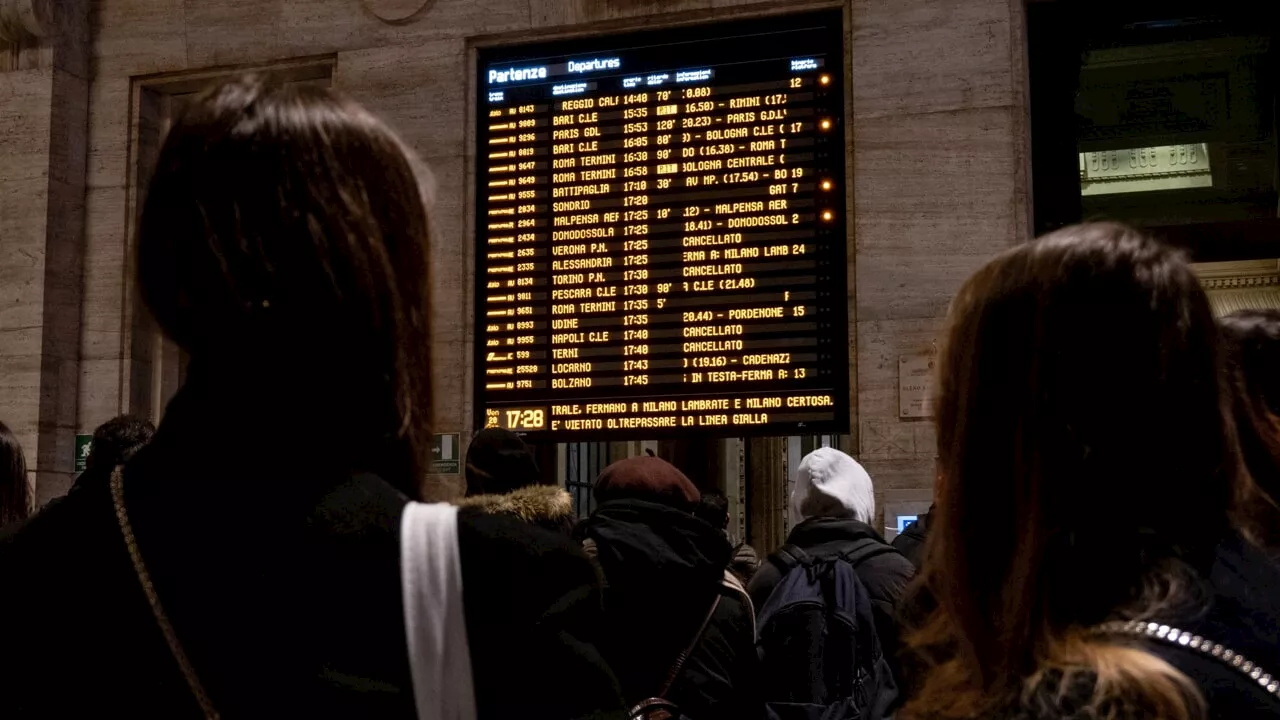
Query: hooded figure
[[832, 507], [503, 479], [498, 461], [663, 568]]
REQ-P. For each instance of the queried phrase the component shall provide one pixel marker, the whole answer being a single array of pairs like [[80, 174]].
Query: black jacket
[[1243, 616], [910, 542], [886, 575], [281, 578], [662, 568]]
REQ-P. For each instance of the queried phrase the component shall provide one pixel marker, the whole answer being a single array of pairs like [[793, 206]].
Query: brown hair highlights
[[284, 234], [1253, 369], [1087, 463]]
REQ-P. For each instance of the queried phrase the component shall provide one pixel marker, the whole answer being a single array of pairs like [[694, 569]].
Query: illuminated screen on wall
[[660, 225]]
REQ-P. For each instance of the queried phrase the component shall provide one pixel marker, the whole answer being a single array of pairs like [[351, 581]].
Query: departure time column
[[636, 122]]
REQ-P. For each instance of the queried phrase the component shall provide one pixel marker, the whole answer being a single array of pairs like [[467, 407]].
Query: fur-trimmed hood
[[547, 506]]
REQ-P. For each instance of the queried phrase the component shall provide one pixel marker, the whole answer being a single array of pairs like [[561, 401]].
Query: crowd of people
[[1104, 542]]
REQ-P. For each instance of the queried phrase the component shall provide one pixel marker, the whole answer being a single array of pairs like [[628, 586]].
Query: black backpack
[[819, 653]]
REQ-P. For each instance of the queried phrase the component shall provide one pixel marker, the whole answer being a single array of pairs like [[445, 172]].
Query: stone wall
[[937, 161], [44, 79], [940, 180]]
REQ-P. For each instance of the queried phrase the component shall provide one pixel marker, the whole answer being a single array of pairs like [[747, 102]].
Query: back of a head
[[647, 478], [830, 484], [15, 490], [284, 239], [119, 439], [1252, 339], [1084, 448], [713, 507], [498, 461]]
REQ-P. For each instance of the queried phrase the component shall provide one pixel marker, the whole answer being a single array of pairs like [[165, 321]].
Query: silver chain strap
[[1181, 638]]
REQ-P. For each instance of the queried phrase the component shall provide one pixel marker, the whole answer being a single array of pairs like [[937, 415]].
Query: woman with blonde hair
[[1081, 556]]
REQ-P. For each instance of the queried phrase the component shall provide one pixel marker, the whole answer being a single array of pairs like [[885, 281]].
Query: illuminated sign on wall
[[661, 233]]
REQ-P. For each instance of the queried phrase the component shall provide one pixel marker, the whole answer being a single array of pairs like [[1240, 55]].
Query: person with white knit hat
[[833, 509], [830, 484]]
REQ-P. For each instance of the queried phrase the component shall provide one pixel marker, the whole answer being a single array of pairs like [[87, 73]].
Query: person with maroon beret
[[663, 570]]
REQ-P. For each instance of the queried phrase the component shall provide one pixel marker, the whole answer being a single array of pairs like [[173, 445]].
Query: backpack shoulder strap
[[789, 556], [865, 549]]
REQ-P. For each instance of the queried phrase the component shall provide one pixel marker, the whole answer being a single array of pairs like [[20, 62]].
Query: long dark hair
[[1087, 462], [1253, 369], [284, 234], [15, 490]]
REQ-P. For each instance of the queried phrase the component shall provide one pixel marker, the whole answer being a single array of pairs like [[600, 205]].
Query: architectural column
[[766, 460], [44, 47]]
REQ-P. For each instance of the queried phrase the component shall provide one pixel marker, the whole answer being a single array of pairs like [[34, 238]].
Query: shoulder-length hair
[[1253, 371], [285, 229], [1087, 462]]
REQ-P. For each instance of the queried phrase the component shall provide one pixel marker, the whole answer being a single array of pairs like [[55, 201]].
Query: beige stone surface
[[939, 188], [24, 124], [138, 37], [226, 32], [418, 89], [880, 343], [558, 12], [25, 109], [931, 55], [311, 26], [108, 133]]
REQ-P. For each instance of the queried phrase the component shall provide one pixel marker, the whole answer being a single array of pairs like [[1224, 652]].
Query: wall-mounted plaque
[[915, 385]]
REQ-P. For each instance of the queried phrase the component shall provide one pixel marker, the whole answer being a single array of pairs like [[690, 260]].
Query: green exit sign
[[84, 443]]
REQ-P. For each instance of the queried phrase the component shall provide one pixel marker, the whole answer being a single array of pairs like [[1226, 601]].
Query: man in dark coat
[[910, 542], [833, 506], [663, 567]]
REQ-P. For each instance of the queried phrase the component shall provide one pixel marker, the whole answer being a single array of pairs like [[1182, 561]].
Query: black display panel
[[661, 230]]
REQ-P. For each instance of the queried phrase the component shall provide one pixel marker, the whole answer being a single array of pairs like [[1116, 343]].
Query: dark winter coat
[[662, 568], [910, 542], [281, 577], [546, 506], [1243, 616], [885, 576]]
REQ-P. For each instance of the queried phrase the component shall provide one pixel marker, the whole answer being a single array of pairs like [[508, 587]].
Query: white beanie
[[831, 484]]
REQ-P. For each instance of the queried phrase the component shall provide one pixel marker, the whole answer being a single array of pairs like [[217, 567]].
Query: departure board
[[661, 233]]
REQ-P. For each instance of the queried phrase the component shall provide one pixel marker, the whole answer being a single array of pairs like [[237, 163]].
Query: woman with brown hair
[[1253, 368], [1081, 556], [259, 557]]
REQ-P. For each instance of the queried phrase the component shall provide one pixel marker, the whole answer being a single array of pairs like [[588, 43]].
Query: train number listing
[[661, 233]]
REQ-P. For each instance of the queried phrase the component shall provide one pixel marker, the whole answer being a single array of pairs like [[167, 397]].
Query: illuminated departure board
[[661, 233]]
